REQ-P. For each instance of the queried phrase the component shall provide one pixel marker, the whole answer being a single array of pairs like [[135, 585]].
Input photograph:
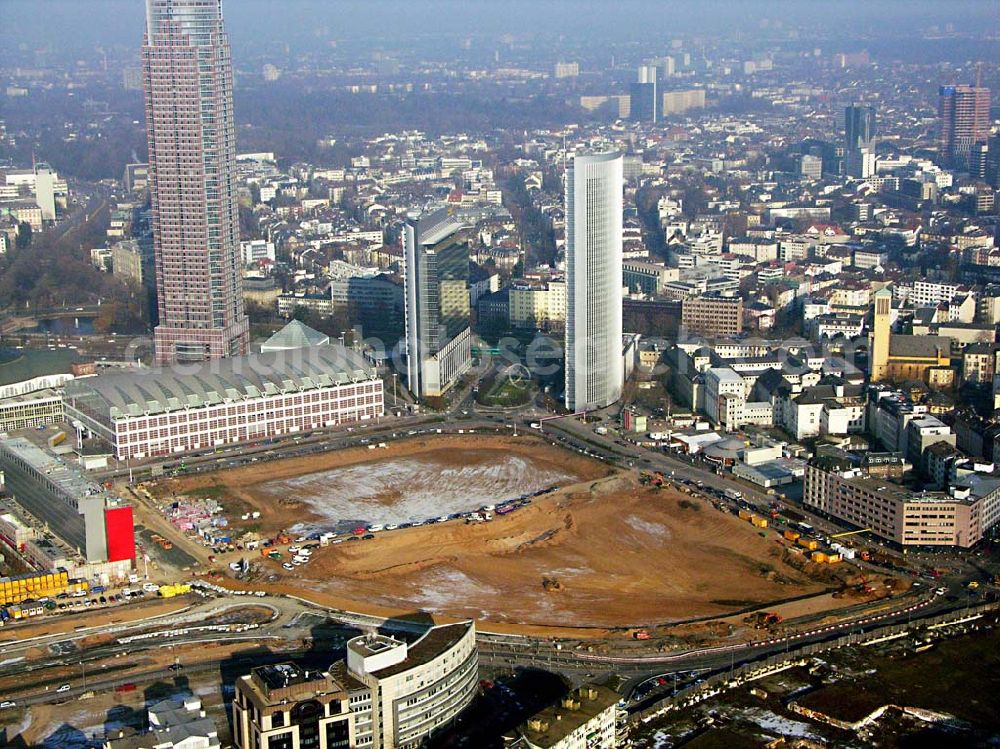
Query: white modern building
[[410, 690], [594, 373], [390, 693], [255, 250]]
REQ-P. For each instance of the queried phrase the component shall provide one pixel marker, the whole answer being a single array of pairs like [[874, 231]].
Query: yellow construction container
[[32, 585], [808, 543], [744, 515], [178, 589], [758, 522], [792, 535], [833, 558], [818, 556]]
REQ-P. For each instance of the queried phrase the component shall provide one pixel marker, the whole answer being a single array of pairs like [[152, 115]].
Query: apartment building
[[537, 304], [583, 719], [713, 316], [837, 485]]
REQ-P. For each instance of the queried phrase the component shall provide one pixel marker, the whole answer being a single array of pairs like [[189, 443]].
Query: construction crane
[[850, 533]]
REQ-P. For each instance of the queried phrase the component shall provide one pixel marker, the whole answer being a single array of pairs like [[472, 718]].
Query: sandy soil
[[614, 554], [255, 486], [597, 554]]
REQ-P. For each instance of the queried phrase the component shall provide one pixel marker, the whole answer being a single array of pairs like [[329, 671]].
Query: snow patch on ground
[[645, 526], [782, 726], [446, 588], [411, 489]]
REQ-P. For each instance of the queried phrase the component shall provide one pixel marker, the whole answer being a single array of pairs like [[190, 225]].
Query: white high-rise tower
[[594, 366]]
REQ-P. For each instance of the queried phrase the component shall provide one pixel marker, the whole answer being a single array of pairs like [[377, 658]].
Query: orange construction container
[[792, 535]]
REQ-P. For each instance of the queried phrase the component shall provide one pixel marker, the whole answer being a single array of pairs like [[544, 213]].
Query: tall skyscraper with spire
[[595, 369], [188, 85]]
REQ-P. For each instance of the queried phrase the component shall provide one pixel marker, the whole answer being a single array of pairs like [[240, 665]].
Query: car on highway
[[63, 688], [7, 703]]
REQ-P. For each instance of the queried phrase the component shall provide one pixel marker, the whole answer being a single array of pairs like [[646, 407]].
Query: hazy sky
[[75, 25]]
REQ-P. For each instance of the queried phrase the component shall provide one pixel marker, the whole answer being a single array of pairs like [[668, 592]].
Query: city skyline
[[424, 374]]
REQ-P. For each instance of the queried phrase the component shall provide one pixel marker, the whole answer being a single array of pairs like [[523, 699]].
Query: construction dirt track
[[601, 551]]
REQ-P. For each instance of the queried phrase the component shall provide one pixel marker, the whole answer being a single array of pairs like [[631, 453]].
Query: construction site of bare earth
[[515, 532]]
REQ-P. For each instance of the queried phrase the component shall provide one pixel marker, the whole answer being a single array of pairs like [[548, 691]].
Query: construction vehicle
[[863, 585], [655, 480], [764, 619]]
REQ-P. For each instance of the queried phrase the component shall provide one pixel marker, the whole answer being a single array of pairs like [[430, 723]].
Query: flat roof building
[[284, 705], [714, 316], [583, 719], [79, 512], [841, 488]]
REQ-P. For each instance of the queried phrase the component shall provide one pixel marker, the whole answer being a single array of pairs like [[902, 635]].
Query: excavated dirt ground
[[601, 551]]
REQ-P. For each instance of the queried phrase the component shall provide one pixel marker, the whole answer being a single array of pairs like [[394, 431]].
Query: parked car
[[64, 688]]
